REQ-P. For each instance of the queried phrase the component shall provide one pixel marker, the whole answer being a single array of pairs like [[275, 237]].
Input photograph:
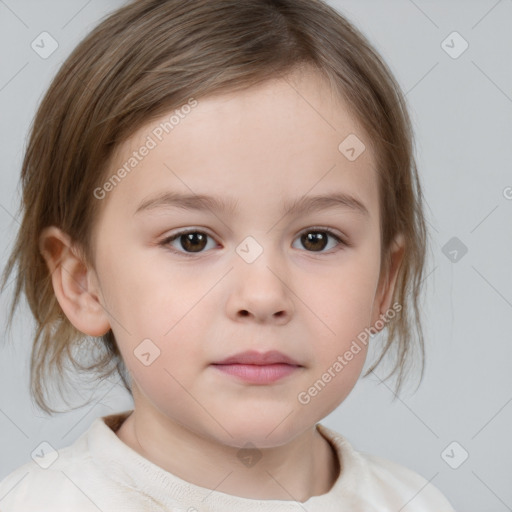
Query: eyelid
[[170, 238], [333, 232]]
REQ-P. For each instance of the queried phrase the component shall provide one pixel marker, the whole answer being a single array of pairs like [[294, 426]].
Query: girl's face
[[251, 276]]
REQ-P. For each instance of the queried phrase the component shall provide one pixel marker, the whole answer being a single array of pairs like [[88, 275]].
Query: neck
[[307, 466]]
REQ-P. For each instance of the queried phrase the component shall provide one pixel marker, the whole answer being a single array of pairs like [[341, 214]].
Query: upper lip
[[258, 358]]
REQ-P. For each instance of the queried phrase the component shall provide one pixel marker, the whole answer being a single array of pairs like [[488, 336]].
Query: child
[[261, 128]]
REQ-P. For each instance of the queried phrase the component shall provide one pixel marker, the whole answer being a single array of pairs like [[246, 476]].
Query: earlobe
[[388, 281], [72, 283]]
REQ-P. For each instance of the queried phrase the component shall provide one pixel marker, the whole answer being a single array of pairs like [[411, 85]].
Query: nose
[[261, 291]]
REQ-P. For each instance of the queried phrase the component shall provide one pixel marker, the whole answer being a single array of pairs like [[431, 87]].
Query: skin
[[273, 142]]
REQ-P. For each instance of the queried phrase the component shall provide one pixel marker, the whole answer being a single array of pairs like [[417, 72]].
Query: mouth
[[258, 374], [258, 368]]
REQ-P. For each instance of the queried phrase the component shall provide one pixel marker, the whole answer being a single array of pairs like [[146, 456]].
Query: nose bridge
[[260, 279], [258, 258]]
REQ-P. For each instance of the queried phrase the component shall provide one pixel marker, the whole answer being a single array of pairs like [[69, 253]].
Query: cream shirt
[[99, 472]]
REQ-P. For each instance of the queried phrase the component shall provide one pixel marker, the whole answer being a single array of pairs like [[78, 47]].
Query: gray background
[[462, 112]]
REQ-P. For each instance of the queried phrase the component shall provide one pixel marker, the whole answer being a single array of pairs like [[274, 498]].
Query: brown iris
[[314, 240]]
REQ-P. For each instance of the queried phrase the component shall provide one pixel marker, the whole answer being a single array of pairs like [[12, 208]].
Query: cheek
[[148, 297], [339, 307], [163, 366], [342, 301], [333, 379]]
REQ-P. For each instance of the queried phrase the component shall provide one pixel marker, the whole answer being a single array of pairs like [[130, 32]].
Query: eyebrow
[[202, 202]]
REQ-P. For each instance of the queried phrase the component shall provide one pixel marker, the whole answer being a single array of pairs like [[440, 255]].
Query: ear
[[387, 280], [74, 284]]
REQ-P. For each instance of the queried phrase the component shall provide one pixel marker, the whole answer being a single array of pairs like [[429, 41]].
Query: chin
[[263, 431]]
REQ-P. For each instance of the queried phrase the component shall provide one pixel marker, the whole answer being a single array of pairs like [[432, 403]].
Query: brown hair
[[150, 57]]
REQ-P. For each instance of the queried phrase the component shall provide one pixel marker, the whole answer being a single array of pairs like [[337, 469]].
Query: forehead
[[274, 142]]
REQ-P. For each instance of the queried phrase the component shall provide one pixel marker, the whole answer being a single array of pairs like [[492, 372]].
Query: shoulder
[[421, 494], [378, 481], [32, 488], [54, 480]]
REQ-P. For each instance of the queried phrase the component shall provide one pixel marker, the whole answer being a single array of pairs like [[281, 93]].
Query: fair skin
[[270, 144]]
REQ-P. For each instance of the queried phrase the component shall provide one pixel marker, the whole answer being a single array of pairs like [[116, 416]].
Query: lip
[[252, 357], [257, 373], [258, 368]]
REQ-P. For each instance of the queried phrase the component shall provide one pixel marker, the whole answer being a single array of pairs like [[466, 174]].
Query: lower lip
[[258, 374]]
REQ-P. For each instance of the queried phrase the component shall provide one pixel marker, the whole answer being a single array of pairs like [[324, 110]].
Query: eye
[[316, 239], [192, 241]]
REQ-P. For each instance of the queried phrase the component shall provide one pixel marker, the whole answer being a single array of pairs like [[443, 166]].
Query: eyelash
[[341, 242]]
